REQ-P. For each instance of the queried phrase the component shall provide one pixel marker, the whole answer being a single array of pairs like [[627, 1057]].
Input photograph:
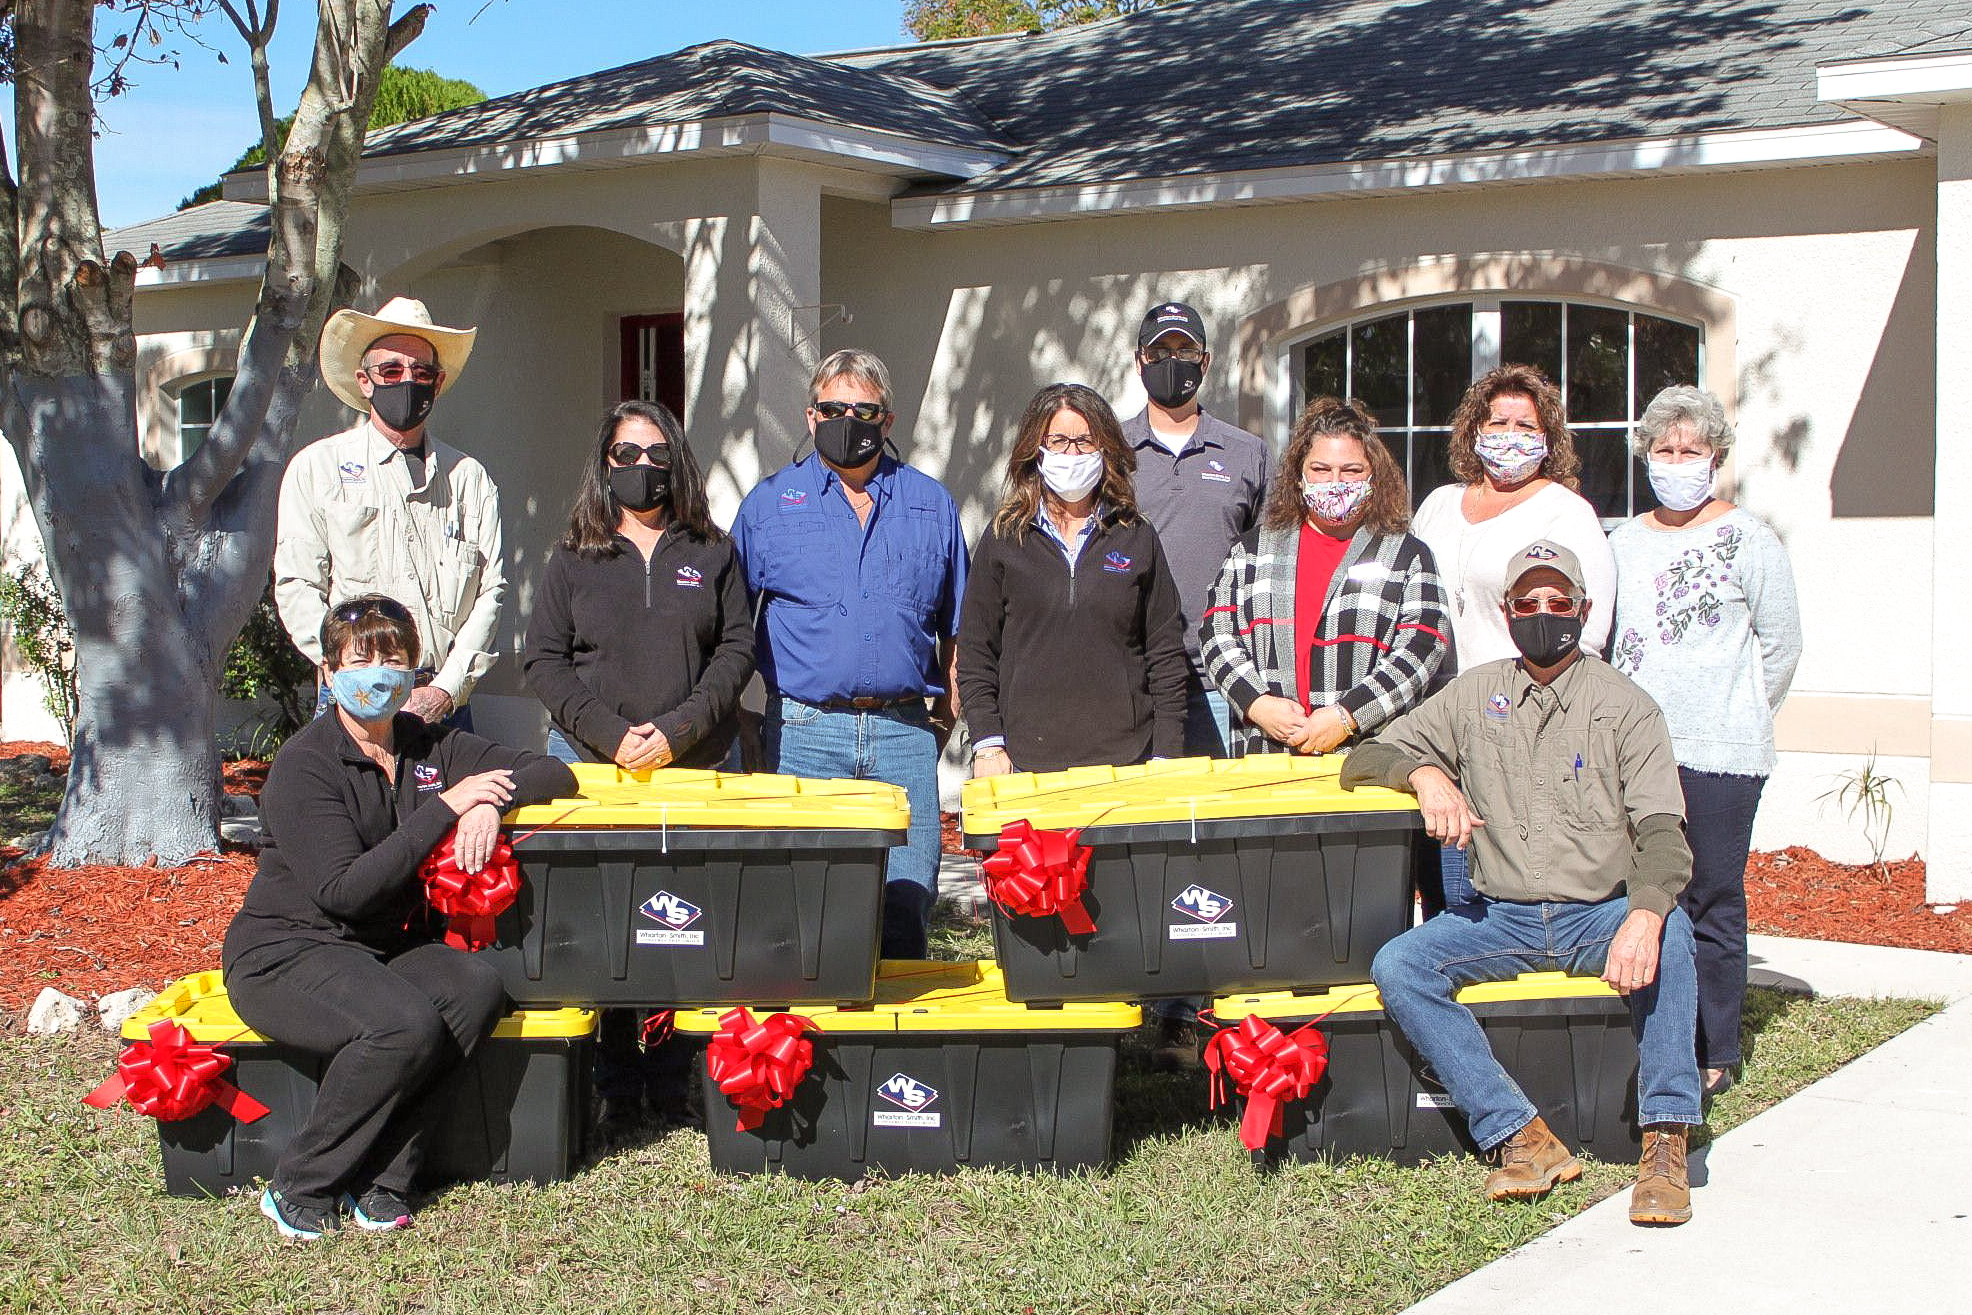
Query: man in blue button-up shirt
[[860, 563]]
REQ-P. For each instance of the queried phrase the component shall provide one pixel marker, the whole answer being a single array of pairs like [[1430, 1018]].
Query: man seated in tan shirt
[[1556, 771]]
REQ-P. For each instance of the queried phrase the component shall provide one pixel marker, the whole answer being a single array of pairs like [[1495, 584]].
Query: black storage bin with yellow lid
[[514, 1112], [1567, 1042], [1206, 876], [692, 887], [941, 1072]]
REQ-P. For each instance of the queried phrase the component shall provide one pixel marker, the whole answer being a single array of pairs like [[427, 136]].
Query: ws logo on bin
[[913, 1100], [1207, 909], [675, 914]]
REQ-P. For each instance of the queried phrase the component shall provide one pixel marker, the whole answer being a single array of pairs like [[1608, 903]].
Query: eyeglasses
[[1063, 445], [394, 372], [627, 454], [1189, 355], [1557, 606], [867, 412], [356, 609]]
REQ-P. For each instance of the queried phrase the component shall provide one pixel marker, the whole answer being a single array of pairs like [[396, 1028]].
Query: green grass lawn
[[1182, 1224]]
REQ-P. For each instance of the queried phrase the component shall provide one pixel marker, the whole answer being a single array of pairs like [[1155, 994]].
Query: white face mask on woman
[[1511, 455], [1334, 501], [1681, 485], [1070, 476]]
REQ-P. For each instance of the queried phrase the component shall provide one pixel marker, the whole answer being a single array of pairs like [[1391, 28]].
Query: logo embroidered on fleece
[[688, 578], [351, 472], [427, 777], [1116, 561], [1216, 472], [1498, 706], [793, 498]]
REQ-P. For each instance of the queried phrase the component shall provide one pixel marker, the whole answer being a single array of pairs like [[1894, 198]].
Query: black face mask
[[403, 406], [1172, 382], [847, 442], [1545, 639], [640, 487]]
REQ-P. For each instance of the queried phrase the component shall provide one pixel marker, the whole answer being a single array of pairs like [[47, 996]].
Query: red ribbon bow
[[1038, 873], [757, 1065], [172, 1077], [470, 901], [1268, 1067]]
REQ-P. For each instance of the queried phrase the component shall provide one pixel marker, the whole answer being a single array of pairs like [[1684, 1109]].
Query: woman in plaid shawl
[[1329, 619]]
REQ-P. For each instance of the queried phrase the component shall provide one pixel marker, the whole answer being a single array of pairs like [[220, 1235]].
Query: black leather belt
[[868, 703]]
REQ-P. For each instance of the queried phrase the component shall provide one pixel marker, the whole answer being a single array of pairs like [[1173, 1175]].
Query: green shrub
[[32, 609], [264, 664]]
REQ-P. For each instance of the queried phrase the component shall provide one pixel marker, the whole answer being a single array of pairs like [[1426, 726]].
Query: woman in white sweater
[[1516, 463], [1706, 623]]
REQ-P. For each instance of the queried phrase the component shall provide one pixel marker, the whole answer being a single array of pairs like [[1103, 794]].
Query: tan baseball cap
[[1544, 553]]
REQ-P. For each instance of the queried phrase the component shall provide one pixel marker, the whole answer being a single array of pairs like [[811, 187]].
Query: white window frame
[[178, 389]]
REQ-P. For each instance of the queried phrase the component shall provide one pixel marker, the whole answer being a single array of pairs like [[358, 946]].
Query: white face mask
[[1511, 456], [1070, 476], [1681, 485], [1334, 501]]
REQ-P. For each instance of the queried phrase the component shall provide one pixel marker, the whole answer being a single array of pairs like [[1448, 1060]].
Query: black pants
[[627, 1070], [1718, 813], [389, 1029]]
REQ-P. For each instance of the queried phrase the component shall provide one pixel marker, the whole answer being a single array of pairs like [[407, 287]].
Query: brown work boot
[[1532, 1161], [1663, 1185]]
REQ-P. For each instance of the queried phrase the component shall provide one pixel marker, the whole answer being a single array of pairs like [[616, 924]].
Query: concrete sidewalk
[[1854, 1195]]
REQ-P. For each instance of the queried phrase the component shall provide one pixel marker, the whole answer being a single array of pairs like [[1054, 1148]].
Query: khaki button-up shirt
[[1564, 776], [352, 522]]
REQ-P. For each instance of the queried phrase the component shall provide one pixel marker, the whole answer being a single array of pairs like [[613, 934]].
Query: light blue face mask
[[371, 693]]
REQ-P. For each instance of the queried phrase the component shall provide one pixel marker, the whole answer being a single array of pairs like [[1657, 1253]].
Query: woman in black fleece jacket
[[1071, 637], [334, 950]]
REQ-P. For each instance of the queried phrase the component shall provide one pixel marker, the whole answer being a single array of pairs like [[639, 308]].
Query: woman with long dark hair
[[1071, 639], [641, 639], [1328, 620], [640, 643]]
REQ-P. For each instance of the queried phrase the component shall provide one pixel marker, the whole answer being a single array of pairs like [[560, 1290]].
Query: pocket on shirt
[[1590, 797], [801, 570], [914, 565], [351, 531], [459, 565]]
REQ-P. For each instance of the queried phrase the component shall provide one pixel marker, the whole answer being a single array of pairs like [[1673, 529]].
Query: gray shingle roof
[[1210, 85], [713, 80], [217, 228]]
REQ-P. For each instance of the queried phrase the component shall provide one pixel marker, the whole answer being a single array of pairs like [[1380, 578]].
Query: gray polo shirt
[[1200, 501]]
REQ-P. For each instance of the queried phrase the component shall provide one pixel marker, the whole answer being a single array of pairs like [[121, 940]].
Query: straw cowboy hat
[[349, 333]]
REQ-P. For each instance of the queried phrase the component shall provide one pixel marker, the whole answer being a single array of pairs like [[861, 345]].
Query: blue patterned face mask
[[371, 693]]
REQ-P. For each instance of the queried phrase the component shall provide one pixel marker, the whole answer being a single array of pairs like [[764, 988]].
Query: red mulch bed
[[953, 837], [57, 754], [1797, 892]]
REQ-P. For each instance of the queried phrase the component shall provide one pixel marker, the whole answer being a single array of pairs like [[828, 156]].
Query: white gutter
[[748, 134], [1902, 91], [217, 269], [1751, 149]]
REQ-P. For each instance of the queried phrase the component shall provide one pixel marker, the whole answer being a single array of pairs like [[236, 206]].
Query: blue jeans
[[1490, 941], [559, 748], [1208, 728], [1455, 871], [1718, 812], [895, 745]]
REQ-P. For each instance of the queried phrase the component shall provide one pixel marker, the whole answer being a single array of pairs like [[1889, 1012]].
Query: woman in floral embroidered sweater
[[1706, 622]]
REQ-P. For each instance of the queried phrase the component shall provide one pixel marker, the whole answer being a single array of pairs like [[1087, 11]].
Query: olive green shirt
[[1575, 780]]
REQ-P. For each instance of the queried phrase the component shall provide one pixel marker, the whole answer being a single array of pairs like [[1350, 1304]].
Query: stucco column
[[1948, 853], [748, 350]]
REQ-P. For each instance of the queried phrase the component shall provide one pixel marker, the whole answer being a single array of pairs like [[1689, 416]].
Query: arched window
[[198, 407], [1410, 367]]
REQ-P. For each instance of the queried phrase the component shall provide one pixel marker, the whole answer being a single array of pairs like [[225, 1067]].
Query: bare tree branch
[[10, 256], [406, 30], [57, 203]]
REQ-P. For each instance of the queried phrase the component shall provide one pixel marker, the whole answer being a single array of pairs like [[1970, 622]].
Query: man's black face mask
[[403, 406]]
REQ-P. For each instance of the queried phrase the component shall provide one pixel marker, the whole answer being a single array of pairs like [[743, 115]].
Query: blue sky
[[178, 129]]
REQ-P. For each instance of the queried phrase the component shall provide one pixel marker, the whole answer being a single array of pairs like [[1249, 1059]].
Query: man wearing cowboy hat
[[387, 508]]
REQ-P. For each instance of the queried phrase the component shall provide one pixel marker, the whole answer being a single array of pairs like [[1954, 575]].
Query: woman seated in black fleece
[[1071, 638], [640, 643], [335, 951]]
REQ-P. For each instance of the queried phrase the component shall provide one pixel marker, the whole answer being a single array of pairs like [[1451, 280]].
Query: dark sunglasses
[[868, 412], [351, 612], [628, 454], [1535, 606], [390, 372]]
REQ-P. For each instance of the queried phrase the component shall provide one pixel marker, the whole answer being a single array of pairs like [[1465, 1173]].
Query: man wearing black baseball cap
[[1201, 482]]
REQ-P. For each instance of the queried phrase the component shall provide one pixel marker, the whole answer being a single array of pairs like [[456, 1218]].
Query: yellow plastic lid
[[1172, 790], [608, 796], [922, 996], [199, 1004], [1366, 999]]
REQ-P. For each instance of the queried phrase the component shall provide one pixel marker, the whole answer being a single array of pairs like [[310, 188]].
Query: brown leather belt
[[868, 703]]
